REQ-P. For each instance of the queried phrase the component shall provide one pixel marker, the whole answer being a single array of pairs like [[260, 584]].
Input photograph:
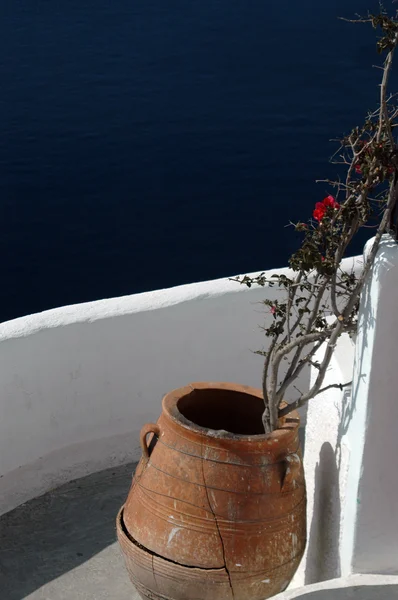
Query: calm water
[[148, 143]]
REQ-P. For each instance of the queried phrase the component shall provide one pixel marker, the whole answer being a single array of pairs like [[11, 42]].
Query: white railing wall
[[77, 383], [326, 464], [370, 545], [351, 443]]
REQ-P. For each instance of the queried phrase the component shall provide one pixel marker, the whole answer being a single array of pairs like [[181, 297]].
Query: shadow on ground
[[62, 546]]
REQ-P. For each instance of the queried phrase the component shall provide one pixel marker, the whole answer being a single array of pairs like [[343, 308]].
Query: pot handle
[[148, 428], [292, 473]]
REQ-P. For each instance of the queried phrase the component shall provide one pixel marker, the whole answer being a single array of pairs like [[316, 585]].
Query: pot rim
[[289, 424]]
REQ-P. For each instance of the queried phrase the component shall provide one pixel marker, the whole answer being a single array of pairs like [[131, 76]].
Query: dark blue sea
[[150, 143]]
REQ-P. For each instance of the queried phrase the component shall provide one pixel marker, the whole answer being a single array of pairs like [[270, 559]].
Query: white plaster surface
[[351, 443], [77, 383], [354, 587], [372, 495], [326, 461], [355, 427]]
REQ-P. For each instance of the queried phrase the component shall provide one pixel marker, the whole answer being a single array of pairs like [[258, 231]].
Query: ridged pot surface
[[213, 495]]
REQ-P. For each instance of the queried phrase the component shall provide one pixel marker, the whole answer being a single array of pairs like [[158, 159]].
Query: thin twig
[[298, 403]]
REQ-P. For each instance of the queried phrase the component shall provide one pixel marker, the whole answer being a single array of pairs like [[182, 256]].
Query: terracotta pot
[[216, 510]]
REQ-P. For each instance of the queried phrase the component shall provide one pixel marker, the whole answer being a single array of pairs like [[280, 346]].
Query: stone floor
[[62, 546]]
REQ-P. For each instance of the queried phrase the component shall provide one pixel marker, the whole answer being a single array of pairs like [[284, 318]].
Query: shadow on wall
[[367, 322], [357, 592], [55, 533], [323, 561]]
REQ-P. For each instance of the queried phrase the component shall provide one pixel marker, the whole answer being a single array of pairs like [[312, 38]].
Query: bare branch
[[299, 327], [298, 403], [293, 374], [383, 93], [360, 20]]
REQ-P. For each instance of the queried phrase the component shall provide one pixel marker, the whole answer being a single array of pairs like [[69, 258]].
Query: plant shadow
[[323, 560]]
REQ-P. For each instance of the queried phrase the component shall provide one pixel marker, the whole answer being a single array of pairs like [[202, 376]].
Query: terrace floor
[[62, 546]]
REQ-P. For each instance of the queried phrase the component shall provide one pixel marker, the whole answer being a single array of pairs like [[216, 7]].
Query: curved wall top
[[78, 382]]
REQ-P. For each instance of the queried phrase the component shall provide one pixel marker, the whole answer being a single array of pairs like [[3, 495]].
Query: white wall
[[370, 545], [77, 383], [351, 443], [326, 463]]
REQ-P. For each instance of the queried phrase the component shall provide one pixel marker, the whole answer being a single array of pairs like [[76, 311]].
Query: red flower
[[321, 207], [319, 211], [330, 201], [273, 310], [318, 214], [322, 258], [358, 169]]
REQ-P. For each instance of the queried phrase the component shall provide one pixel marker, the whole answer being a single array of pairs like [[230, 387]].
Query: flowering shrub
[[320, 288]]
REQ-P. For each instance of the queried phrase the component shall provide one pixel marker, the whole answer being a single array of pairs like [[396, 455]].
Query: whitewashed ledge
[[78, 382], [350, 444], [353, 587]]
